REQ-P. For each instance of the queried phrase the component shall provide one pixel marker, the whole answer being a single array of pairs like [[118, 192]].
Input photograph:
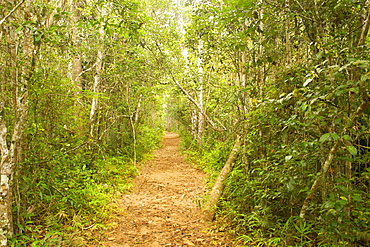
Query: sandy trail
[[163, 207]]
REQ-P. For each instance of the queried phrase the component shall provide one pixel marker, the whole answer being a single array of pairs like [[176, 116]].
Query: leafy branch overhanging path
[[162, 209]]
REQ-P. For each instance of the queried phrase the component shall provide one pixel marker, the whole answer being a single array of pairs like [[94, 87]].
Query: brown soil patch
[[163, 208]]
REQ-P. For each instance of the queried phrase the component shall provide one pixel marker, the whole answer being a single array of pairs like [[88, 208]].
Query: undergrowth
[[66, 188], [263, 195], [64, 198]]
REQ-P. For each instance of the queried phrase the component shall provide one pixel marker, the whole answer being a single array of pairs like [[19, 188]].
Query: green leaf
[[290, 184], [305, 84], [334, 136], [304, 107], [325, 137], [355, 90], [365, 77], [352, 150], [347, 137], [19, 29], [337, 120]]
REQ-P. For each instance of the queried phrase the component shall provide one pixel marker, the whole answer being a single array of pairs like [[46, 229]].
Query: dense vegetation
[[87, 88], [292, 78], [81, 105]]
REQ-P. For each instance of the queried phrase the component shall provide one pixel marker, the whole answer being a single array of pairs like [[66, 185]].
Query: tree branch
[[187, 94], [83, 72], [192, 100], [364, 31], [11, 12]]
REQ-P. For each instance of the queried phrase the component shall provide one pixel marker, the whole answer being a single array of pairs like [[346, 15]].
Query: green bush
[[66, 195]]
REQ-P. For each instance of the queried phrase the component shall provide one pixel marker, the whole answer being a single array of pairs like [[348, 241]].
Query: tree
[[21, 75], [294, 76], [69, 101]]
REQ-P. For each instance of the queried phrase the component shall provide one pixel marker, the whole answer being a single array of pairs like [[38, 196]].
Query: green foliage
[[66, 195], [291, 78], [149, 139], [70, 164], [284, 153]]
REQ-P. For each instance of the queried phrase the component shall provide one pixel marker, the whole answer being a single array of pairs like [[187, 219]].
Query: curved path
[[163, 208]]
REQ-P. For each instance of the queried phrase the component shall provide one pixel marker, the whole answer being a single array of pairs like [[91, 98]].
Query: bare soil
[[163, 207]]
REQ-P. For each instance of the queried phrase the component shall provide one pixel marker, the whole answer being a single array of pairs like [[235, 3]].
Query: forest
[[88, 87]]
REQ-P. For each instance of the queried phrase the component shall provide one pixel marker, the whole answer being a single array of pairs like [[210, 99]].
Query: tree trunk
[[97, 76], [75, 69], [209, 208], [329, 160], [6, 228], [363, 31], [319, 179], [194, 120], [192, 100], [10, 154], [200, 123], [138, 109]]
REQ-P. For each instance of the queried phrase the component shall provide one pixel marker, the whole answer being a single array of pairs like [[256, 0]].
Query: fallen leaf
[[189, 243]]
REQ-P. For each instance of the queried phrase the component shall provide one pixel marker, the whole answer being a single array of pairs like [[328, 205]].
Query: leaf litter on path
[[162, 208]]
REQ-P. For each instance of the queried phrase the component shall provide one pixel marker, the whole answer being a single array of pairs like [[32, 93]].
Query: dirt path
[[162, 209]]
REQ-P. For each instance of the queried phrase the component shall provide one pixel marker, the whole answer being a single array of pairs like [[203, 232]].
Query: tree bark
[[11, 12], [10, 157], [11, 154], [97, 76], [200, 123], [319, 179], [5, 190], [209, 208], [364, 31], [138, 109]]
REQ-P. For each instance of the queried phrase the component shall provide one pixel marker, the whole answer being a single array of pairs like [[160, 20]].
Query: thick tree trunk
[[209, 208], [5, 189], [11, 153], [10, 157]]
